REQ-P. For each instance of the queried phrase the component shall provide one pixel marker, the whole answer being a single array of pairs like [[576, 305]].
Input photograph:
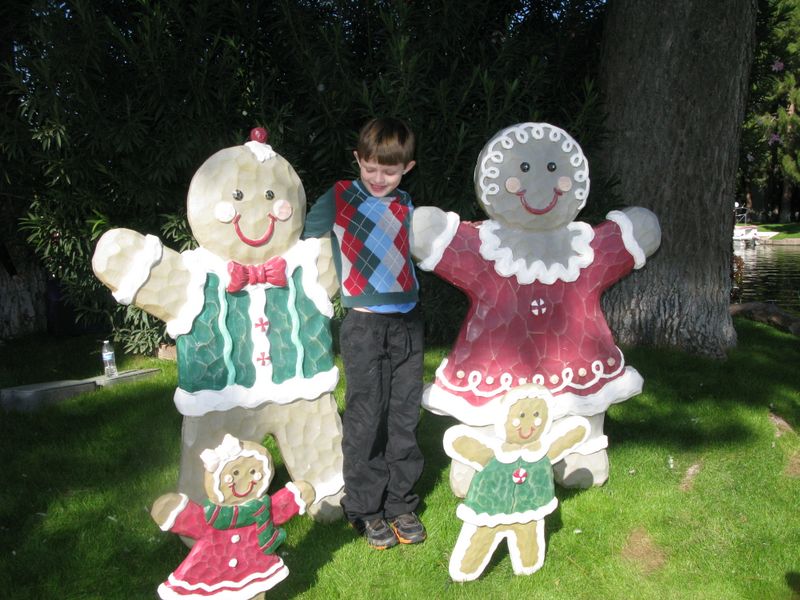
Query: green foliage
[[122, 102], [770, 149]]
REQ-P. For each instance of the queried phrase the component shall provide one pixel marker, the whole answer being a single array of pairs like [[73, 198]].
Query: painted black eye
[[237, 195], [236, 472], [269, 194], [252, 471], [551, 166], [536, 414], [525, 167], [522, 415]]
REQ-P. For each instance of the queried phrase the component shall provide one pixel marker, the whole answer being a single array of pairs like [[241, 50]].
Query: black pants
[[382, 357]]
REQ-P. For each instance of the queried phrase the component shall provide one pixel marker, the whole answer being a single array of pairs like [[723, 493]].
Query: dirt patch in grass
[[781, 426], [793, 468], [641, 550], [688, 478]]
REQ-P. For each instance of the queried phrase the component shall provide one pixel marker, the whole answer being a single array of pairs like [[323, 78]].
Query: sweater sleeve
[[320, 218]]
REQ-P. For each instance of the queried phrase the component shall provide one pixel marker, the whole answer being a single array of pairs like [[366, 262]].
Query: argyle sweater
[[371, 245]]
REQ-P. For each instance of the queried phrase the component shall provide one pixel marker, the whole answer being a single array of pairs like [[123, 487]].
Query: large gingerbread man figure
[[250, 312], [534, 278]]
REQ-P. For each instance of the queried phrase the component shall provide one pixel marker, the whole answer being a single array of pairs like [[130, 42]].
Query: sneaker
[[377, 533], [408, 529]]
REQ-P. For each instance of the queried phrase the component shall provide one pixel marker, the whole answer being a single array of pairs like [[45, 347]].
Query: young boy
[[381, 337]]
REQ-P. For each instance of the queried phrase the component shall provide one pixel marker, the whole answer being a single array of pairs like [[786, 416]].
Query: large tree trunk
[[675, 76]]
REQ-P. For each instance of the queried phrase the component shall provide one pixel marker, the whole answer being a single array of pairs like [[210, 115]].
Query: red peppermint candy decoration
[[259, 134], [519, 476]]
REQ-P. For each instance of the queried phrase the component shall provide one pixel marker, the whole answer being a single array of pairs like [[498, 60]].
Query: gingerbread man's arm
[[139, 270], [569, 434], [326, 268]]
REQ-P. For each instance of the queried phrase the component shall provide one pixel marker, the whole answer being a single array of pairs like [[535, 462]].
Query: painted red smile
[[260, 241], [238, 495], [530, 433], [539, 211]]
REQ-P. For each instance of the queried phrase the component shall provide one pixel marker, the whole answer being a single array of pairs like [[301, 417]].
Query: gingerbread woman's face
[[532, 176], [246, 204], [526, 421], [242, 478]]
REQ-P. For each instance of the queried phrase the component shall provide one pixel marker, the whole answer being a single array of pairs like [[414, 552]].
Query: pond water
[[771, 274]]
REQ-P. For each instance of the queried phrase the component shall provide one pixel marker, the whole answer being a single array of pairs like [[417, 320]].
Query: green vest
[[219, 351]]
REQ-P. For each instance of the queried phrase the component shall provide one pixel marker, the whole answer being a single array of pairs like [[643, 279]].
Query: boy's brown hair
[[386, 140]]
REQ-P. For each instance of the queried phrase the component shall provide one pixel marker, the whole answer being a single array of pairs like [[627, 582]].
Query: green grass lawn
[[785, 230], [703, 499]]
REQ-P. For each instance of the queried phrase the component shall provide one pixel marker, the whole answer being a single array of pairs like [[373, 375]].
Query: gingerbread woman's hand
[[164, 506], [432, 230], [472, 450]]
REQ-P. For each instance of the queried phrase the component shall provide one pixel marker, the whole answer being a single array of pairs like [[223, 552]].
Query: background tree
[[771, 143], [675, 78]]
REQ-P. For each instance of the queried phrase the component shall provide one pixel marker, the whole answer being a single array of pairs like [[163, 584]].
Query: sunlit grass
[[702, 501]]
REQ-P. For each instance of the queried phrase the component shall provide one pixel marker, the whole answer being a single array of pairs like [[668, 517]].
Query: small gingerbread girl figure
[[237, 530], [512, 490]]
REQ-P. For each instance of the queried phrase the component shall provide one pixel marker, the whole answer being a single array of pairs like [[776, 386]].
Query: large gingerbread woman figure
[[250, 312], [534, 278]]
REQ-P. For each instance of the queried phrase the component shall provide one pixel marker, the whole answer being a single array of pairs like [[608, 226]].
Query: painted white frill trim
[[141, 264], [440, 243], [628, 238], [262, 151], [468, 515], [170, 521], [518, 252], [298, 498], [241, 590], [305, 253], [198, 263], [443, 402], [196, 404]]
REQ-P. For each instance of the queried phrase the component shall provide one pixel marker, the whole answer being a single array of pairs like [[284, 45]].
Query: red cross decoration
[[262, 323], [263, 359]]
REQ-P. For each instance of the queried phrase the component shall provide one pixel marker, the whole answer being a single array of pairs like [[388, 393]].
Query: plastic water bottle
[[109, 362]]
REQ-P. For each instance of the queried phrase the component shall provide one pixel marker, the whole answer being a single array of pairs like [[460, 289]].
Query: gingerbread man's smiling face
[[246, 204], [532, 176], [526, 420], [242, 477]]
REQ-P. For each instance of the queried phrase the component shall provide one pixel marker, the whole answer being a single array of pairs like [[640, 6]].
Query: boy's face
[[381, 180]]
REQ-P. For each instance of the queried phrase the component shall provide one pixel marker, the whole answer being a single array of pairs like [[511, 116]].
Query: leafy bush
[[124, 102]]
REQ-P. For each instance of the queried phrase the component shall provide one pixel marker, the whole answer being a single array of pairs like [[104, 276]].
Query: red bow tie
[[273, 272]]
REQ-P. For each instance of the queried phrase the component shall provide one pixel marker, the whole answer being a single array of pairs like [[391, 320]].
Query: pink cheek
[[282, 210], [564, 184], [513, 185]]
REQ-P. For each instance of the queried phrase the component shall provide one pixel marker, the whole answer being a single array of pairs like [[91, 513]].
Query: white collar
[[546, 256]]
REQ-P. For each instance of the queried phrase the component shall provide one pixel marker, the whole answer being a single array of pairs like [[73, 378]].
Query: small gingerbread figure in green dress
[[513, 489]]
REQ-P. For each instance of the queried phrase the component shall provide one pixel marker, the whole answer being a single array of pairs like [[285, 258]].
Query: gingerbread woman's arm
[[326, 268], [139, 270], [176, 513]]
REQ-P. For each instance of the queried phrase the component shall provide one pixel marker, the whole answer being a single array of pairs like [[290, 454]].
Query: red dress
[[226, 564], [553, 334]]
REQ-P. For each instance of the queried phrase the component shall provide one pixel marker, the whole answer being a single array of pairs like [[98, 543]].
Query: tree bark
[[675, 77]]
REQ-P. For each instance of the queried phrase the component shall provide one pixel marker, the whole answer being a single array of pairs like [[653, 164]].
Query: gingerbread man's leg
[[583, 471], [473, 549], [526, 547], [309, 435]]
